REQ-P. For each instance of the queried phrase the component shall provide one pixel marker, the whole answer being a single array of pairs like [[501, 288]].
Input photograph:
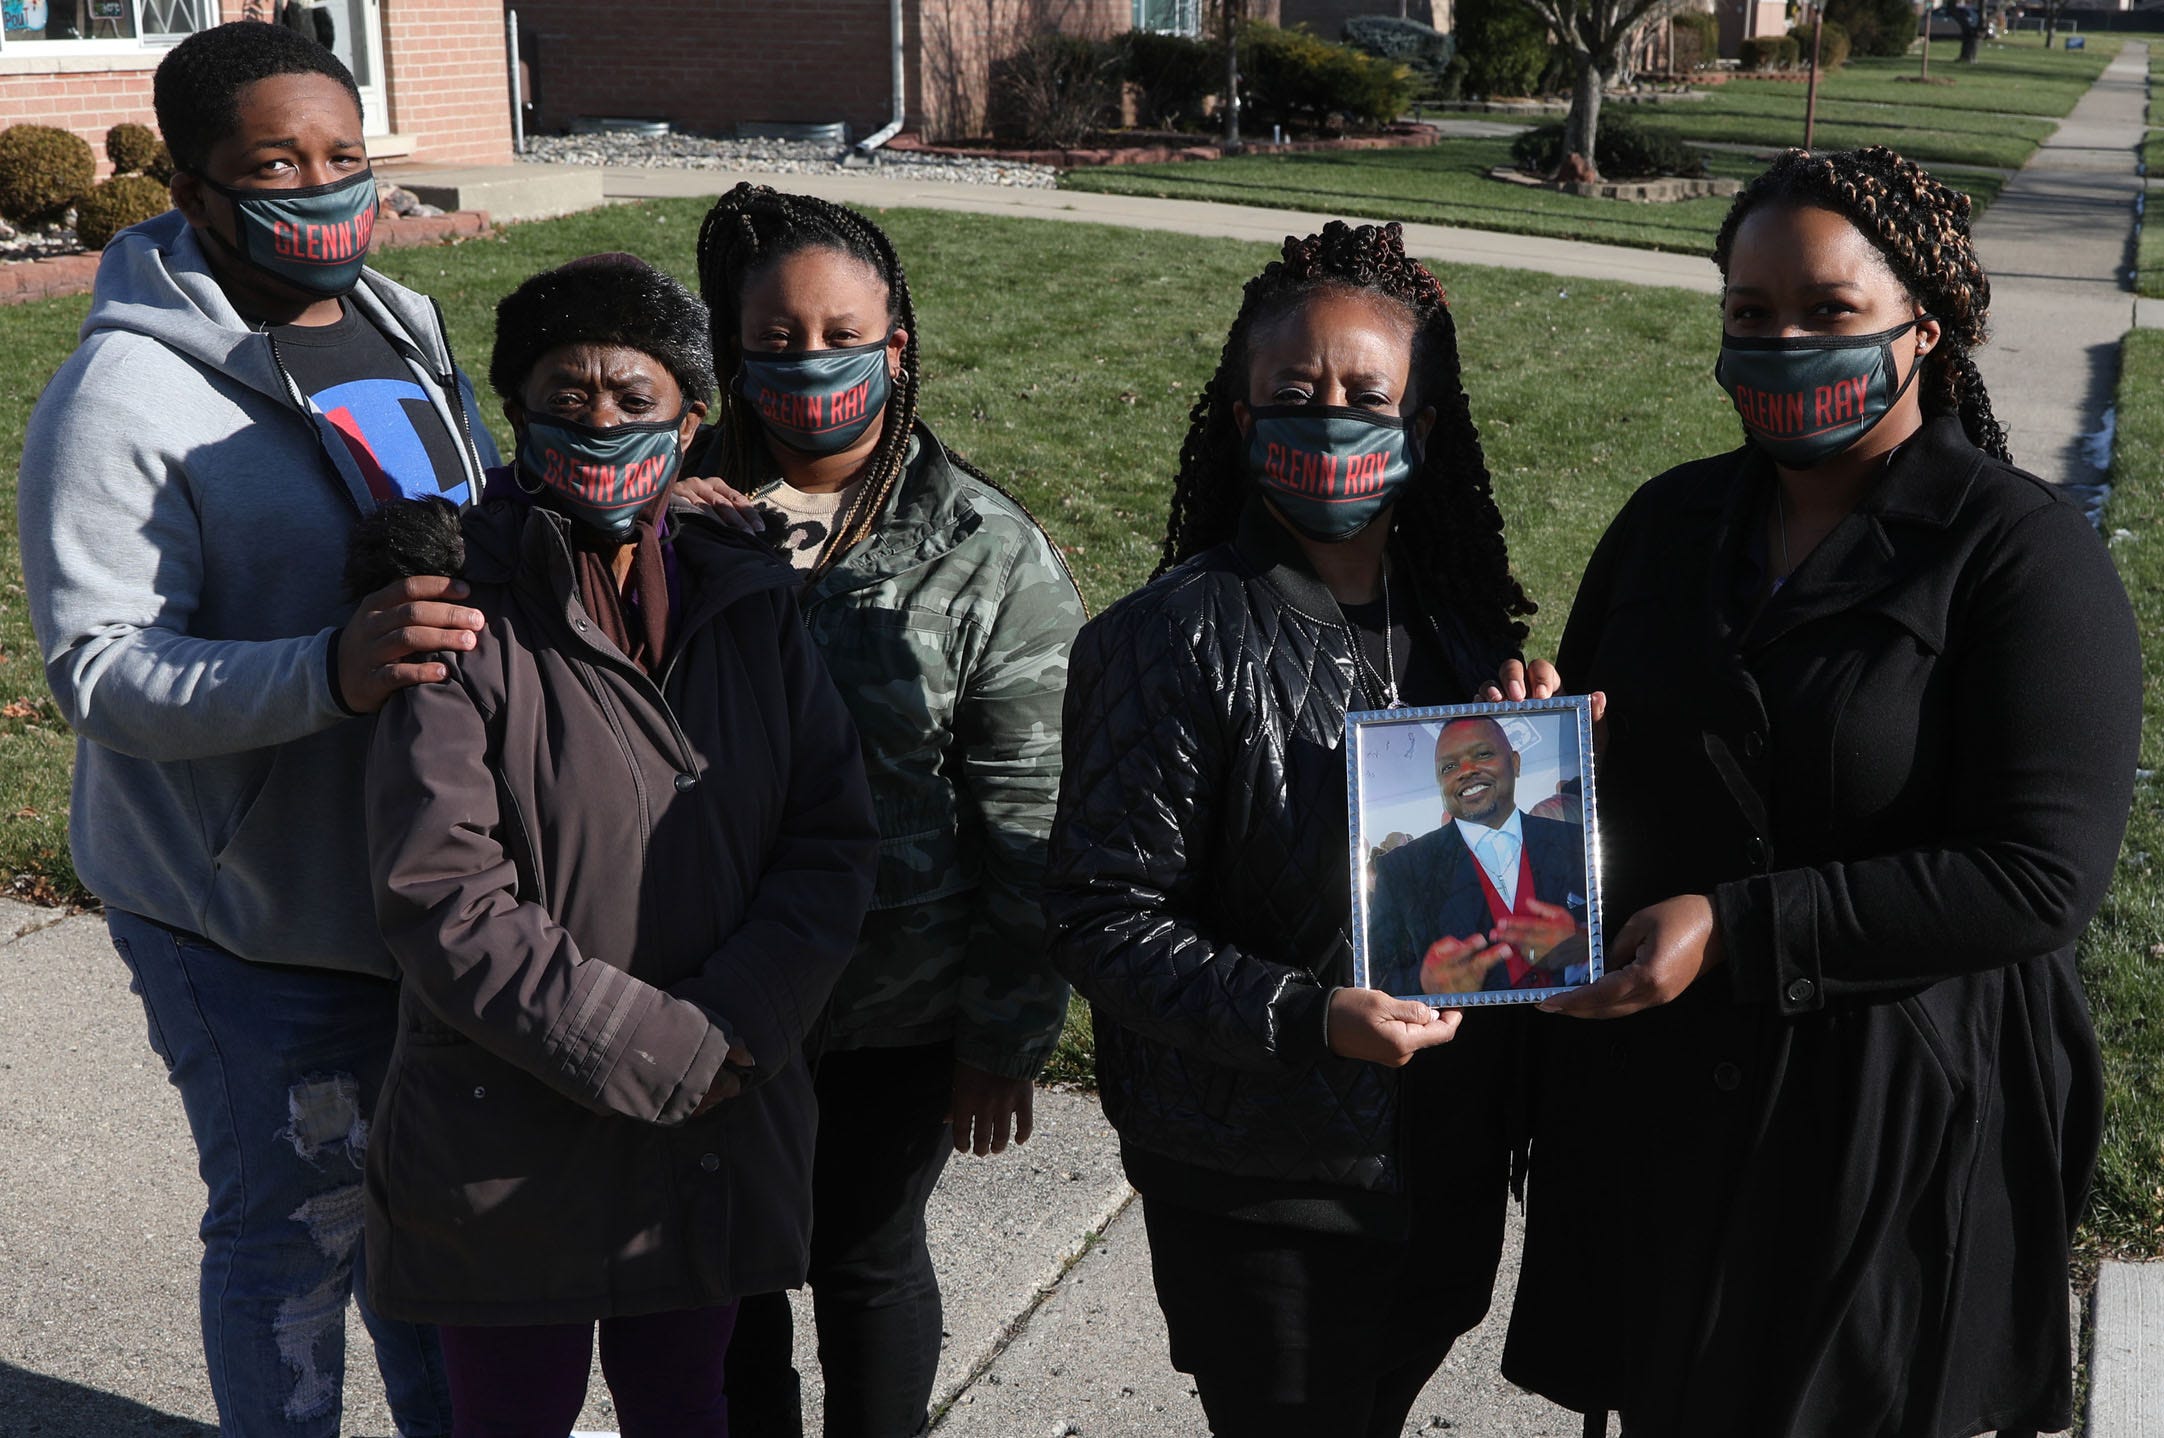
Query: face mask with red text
[[1806, 398], [315, 239], [600, 477], [817, 401], [1329, 469]]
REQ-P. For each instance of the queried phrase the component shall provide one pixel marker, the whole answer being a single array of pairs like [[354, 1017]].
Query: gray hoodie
[[185, 515]]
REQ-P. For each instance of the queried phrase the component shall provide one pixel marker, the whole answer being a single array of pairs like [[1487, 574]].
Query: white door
[[358, 40]]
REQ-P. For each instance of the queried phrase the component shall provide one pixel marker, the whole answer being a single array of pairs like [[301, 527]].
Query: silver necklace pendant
[[1390, 660]]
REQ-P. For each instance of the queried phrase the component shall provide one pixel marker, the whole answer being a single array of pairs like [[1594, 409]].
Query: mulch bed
[[1160, 149], [55, 275]]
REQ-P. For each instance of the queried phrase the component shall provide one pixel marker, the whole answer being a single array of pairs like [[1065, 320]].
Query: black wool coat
[[1830, 1190]]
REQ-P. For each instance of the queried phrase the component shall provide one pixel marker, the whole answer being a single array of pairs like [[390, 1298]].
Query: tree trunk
[[1232, 78], [1582, 128]]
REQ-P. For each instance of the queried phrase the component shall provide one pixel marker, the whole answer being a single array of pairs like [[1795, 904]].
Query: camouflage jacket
[[947, 633]]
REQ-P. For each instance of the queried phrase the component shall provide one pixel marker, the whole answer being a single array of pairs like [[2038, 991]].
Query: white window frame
[[1186, 17], [143, 40]]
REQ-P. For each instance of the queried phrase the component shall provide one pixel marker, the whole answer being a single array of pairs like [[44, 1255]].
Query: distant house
[[1742, 20], [434, 77], [712, 65]]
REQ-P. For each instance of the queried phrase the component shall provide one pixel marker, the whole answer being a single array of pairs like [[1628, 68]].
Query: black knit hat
[[612, 299]]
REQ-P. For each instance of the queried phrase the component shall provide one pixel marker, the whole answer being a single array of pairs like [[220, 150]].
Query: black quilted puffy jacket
[[1199, 889]]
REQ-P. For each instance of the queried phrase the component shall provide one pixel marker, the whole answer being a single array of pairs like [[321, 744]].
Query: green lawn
[[1446, 184], [1989, 119], [2123, 953], [1077, 400]]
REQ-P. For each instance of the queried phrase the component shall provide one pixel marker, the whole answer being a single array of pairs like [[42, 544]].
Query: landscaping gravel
[[781, 157], [36, 244]]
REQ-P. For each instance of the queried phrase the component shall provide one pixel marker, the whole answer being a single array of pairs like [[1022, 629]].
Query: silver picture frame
[[1450, 921]]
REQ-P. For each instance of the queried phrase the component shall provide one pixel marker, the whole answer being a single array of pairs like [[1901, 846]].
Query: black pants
[[883, 1140], [1296, 1333], [1300, 1332]]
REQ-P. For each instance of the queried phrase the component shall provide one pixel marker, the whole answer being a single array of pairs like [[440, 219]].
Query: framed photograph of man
[[1475, 851]]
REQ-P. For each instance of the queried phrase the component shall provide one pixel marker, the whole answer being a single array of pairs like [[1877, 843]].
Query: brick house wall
[[450, 79], [448, 82], [88, 94]]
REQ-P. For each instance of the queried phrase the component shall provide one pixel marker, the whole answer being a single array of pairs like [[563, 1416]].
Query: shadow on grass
[[36, 1403]]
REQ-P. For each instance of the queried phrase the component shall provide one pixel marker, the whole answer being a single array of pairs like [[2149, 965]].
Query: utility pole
[[1232, 76], [1810, 99]]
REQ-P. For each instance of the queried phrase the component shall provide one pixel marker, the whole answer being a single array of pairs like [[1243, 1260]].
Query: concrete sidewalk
[[1441, 244], [98, 1251], [2057, 244]]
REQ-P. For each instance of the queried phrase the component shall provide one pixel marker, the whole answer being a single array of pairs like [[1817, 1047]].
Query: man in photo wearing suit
[[1494, 899]]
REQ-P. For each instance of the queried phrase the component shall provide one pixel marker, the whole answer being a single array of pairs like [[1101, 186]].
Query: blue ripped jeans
[[278, 1069]]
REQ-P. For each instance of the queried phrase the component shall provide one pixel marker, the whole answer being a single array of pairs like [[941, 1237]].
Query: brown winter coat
[[590, 883]]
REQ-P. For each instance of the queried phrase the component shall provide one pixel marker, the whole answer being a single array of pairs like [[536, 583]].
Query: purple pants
[[664, 1372]]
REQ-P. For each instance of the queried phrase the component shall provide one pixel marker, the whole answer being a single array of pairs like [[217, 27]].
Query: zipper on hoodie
[[457, 397]]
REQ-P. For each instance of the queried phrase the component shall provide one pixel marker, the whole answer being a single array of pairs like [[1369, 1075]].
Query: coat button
[[1801, 990], [579, 625], [480, 1092], [1754, 745], [1727, 1077], [710, 1162], [1756, 850], [685, 782]]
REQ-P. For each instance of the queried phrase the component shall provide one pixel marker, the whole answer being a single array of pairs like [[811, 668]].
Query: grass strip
[[2122, 955]]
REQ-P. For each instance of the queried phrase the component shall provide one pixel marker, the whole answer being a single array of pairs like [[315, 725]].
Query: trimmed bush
[[132, 148], [122, 201], [1299, 80], [1698, 39], [1056, 90], [1504, 47], [1623, 149], [1424, 49], [43, 170], [1172, 75], [1875, 27], [1769, 52], [1832, 45], [161, 167]]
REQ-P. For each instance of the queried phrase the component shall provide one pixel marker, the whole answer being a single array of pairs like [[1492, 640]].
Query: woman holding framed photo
[[1334, 545], [1874, 703]]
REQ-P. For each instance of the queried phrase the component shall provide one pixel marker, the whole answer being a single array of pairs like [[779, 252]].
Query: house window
[[1169, 17], [99, 25]]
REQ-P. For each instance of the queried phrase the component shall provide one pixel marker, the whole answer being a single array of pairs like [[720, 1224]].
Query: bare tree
[[1596, 34]]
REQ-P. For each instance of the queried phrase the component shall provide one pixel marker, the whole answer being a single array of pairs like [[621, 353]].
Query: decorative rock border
[[24, 280], [1664, 190], [1397, 137]]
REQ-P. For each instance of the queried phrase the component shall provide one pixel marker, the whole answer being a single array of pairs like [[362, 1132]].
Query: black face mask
[[601, 477], [315, 239], [817, 401], [1329, 469], [1806, 398]]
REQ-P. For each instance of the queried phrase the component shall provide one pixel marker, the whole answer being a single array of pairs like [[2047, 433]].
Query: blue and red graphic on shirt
[[377, 419]]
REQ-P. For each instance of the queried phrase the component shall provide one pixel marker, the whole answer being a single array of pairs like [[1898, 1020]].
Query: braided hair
[[750, 229], [1921, 227], [1448, 516]]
